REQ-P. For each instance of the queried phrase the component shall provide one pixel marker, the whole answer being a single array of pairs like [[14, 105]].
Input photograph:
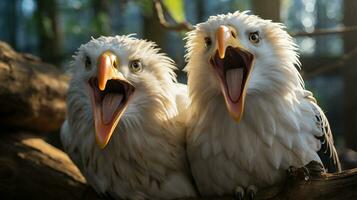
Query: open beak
[[233, 65], [110, 95]]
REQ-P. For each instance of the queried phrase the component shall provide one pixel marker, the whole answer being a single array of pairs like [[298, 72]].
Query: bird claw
[[311, 170], [251, 192], [302, 172], [306, 173], [315, 169], [292, 170], [239, 193]]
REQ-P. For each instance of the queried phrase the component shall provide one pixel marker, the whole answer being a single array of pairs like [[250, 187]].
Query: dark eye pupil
[[233, 34], [208, 41], [254, 37], [136, 65], [87, 62]]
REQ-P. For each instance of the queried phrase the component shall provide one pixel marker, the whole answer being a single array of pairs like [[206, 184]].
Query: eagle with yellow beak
[[125, 129], [250, 115]]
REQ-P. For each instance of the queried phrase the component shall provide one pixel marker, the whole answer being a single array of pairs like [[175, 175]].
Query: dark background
[[325, 30]]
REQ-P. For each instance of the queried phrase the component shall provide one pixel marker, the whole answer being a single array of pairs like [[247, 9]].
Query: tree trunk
[[267, 9], [201, 10], [32, 93], [101, 17], [30, 168], [153, 31], [49, 31], [350, 78], [12, 24]]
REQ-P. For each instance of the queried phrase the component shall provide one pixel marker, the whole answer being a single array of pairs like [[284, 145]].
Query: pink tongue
[[110, 104], [234, 79]]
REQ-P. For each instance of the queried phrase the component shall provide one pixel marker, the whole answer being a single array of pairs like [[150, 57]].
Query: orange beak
[[222, 36], [110, 94], [233, 65], [105, 68]]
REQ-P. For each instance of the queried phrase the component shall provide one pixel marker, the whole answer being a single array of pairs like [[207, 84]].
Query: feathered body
[[281, 126], [145, 158]]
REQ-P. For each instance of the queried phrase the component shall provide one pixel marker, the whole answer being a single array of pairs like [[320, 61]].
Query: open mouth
[[233, 72], [109, 105]]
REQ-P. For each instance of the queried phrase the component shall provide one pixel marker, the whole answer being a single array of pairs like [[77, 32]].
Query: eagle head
[[117, 79], [240, 56]]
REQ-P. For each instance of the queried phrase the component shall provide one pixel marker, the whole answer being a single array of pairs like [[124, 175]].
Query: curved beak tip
[[221, 54], [238, 119], [101, 86], [100, 143], [235, 116]]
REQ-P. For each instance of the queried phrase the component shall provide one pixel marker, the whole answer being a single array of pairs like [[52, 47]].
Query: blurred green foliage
[[176, 8]]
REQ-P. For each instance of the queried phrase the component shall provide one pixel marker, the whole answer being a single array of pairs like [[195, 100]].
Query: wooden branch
[[309, 183], [160, 13], [30, 168], [32, 93], [33, 169], [330, 31]]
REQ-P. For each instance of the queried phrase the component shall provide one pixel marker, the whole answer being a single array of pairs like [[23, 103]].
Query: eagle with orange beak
[[250, 116], [125, 129]]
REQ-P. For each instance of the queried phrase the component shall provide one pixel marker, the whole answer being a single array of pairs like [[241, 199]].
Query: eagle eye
[[115, 64], [87, 62], [136, 66], [254, 37], [233, 34], [208, 42]]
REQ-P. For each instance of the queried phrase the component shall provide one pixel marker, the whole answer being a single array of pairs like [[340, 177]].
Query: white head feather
[[146, 148], [155, 81], [275, 64], [277, 129]]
